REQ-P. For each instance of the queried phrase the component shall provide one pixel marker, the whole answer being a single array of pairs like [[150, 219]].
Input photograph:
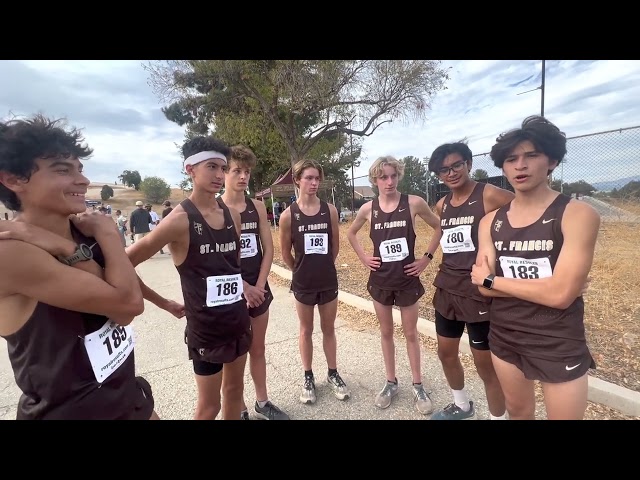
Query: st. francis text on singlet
[[217, 247]]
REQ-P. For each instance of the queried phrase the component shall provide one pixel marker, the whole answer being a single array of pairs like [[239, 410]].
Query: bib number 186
[[224, 289]]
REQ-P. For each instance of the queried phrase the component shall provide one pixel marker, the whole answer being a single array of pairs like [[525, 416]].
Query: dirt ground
[[612, 304]]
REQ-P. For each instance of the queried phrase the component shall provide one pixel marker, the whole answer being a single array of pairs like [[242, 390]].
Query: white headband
[[202, 156]]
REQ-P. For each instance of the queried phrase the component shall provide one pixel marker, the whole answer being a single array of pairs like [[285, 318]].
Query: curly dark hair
[[23, 141], [443, 151], [544, 135], [204, 144]]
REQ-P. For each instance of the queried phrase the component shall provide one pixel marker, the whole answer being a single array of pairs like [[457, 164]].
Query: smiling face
[[454, 171], [57, 185], [526, 168]]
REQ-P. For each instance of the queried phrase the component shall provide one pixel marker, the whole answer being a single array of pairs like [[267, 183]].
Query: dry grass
[[125, 198], [631, 205], [612, 304]]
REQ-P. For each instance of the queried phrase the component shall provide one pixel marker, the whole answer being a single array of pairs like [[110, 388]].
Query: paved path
[[162, 358]]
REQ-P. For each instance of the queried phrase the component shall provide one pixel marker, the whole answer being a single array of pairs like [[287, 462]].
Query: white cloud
[[123, 122], [482, 101]]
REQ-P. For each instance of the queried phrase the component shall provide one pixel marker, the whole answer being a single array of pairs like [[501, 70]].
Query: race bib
[[523, 268], [457, 239], [394, 250], [108, 348], [316, 243], [224, 289], [248, 245]]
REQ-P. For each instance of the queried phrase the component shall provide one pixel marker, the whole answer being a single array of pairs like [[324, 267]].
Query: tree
[[131, 178], [106, 193], [630, 190], [580, 187], [155, 189], [301, 101], [479, 174], [414, 180], [186, 185]]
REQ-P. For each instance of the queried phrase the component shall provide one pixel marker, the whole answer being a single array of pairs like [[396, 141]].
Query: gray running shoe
[[422, 400], [308, 394], [340, 389], [270, 412], [244, 415], [453, 412], [390, 390]]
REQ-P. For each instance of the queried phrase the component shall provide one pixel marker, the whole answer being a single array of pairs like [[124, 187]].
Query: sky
[[122, 120]]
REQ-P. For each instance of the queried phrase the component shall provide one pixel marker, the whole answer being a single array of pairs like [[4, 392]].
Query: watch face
[[86, 251]]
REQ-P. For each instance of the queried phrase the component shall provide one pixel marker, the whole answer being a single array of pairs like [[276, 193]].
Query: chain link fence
[[601, 168]]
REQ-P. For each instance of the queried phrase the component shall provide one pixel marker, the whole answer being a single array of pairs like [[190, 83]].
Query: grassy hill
[[124, 198]]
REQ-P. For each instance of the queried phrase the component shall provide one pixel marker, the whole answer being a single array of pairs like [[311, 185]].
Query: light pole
[[353, 182], [541, 88]]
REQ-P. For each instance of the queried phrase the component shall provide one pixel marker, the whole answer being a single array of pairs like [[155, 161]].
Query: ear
[[13, 182], [553, 164]]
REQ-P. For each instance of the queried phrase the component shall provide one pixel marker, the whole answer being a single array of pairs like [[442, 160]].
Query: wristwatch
[[82, 254], [428, 255], [488, 282]]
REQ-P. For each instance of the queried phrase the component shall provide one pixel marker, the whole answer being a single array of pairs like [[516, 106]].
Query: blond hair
[[375, 170], [301, 166], [243, 156]]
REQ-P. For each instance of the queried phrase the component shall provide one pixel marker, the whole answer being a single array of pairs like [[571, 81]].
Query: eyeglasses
[[456, 167]]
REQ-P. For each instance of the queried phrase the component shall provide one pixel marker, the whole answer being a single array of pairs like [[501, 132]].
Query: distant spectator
[[140, 220], [168, 208]]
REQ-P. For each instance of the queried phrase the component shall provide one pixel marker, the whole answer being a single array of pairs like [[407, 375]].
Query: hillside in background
[[610, 185]]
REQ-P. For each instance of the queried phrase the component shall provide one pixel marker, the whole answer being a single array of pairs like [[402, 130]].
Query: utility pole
[[541, 88], [542, 91], [353, 182]]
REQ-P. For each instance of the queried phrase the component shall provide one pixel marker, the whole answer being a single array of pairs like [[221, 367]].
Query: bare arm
[[266, 239], [580, 226], [437, 234], [335, 230], [363, 215], [495, 197], [165, 233], [34, 273], [285, 238], [421, 209]]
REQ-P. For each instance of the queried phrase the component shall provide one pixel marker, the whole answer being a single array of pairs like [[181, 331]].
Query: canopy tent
[[284, 187]]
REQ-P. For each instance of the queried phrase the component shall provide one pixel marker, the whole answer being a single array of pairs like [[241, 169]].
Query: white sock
[[461, 399], [262, 404], [501, 417]]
